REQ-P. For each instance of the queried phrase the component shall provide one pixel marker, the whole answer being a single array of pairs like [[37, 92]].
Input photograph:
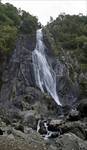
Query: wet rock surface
[[66, 69], [30, 119], [82, 107], [63, 134]]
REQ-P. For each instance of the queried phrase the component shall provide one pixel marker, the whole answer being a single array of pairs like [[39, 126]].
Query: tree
[[51, 19], [12, 22]]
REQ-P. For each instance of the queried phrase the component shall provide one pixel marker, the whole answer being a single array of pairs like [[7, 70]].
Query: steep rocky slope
[[66, 37], [27, 115]]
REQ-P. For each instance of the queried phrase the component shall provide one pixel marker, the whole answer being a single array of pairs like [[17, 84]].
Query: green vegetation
[[7, 38], [12, 23], [70, 34]]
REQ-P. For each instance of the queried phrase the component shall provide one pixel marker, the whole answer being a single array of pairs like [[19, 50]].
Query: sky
[[43, 9]]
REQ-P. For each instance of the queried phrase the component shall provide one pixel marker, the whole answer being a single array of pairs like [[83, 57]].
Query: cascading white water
[[44, 75]]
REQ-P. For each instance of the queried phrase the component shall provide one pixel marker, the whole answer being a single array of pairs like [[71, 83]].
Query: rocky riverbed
[[25, 133]]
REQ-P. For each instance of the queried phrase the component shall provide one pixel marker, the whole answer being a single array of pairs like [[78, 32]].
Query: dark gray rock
[[19, 71], [73, 115], [67, 71], [19, 92], [76, 127], [70, 141], [19, 141], [66, 88], [82, 107]]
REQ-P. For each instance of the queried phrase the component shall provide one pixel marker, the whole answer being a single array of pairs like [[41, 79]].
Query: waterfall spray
[[44, 75]]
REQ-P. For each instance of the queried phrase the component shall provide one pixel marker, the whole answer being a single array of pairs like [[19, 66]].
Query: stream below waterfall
[[46, 132]]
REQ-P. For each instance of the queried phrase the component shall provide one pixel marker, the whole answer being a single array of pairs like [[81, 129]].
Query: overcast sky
[[43, 9]]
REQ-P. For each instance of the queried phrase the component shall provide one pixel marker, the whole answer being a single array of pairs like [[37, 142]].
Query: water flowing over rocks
[[45, 77], [29, 118], [67, 81]]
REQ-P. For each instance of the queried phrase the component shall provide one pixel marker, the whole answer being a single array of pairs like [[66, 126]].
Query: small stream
[[45, 132]]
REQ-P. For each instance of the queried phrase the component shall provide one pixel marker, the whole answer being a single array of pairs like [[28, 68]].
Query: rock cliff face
[[66, 40], [66, 76], [23, 105], [19, 83], [19, 73], [27, 116], [19, 94]]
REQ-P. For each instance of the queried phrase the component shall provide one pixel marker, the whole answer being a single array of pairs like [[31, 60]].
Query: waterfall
[[44, 75]]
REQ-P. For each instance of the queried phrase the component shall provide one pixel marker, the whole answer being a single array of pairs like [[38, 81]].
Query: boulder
[[82, 107], [76, 127], [73, 115], [54, 124], [70, 141], [29, 118], [56, 121], [19, 141]]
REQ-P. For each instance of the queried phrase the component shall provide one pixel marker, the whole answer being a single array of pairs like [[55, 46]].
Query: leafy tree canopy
[[14, 21]]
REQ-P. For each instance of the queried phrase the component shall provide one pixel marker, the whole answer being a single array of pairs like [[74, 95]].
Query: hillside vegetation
[[14, 21], [68, 35]]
